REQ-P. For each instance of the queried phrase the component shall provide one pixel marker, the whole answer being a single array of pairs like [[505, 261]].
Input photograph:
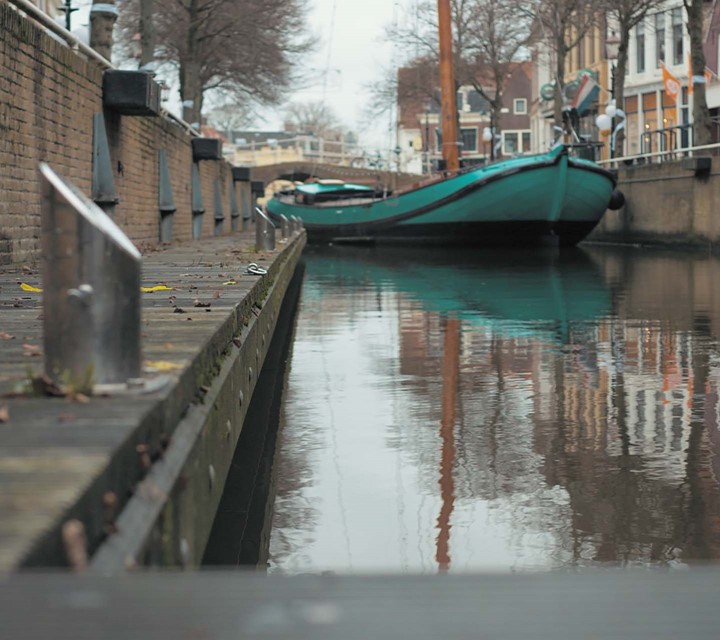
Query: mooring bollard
[[300, 225], [91, 298], [264, 231], [285, 227], [296, 224]]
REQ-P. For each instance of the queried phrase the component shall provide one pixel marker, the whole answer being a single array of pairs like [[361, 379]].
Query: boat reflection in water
[[540, 292], [467, 411]]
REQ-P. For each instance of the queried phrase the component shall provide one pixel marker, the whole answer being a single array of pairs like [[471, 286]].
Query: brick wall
[[48, 96]]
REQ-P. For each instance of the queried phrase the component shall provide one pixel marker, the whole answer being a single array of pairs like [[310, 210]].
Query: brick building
[[418, 131]]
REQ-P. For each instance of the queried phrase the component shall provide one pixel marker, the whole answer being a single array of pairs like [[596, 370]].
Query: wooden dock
[[115, 482], [587, 605]]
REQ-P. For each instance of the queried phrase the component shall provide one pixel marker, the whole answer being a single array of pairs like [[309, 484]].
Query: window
[[514, 142], [677, 35], [640, 47], [478, 104], [520, 106], [469, 139], [659, 39], [460, 98], [510, 143]]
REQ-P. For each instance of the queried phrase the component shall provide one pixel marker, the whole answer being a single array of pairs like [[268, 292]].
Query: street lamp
[[487, 136], [612, 48], [68, 9]]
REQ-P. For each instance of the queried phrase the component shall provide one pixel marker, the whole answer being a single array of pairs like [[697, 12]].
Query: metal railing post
[[91, 281], [264, 231]]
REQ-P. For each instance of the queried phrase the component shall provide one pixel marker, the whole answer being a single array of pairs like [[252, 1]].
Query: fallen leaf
[[179, 310], [229, 282], [31, 350], [216, 294], [29, 287], [6, 336], [162, 365], [202, 305], [4, 414], [160, 287]]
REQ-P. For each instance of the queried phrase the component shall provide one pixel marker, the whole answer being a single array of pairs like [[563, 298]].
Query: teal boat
[[552, 197]]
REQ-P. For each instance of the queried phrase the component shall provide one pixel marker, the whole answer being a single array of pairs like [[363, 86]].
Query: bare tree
[[499, 33], [415, 84], [624, 15], [313, 117], [488, 35], [146, 27], [244, 47], [229, 117], [562, 24], [701, 116]]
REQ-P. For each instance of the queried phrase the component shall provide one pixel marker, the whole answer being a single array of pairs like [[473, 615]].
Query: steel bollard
[[285, 227], [264, 231], [91, 298]]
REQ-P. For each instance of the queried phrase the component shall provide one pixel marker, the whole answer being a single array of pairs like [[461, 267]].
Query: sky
[[352, 54]]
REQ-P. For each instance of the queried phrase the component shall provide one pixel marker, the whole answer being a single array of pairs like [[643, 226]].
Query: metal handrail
[[75, 43], [684, 150], [46, 21]]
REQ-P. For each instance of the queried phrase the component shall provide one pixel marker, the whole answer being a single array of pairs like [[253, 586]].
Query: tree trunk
[[102, 20], [496, 107], [190, 86], [701, 116], [559, 82], [619, 87], [147, 31]]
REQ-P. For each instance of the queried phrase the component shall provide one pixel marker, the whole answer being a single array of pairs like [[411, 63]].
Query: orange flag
[[672, 84]]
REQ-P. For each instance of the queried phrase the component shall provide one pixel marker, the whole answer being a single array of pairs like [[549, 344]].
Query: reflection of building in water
[[610, 418]]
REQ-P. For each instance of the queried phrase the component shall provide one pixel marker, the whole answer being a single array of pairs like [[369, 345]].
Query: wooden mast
[[447, 89]]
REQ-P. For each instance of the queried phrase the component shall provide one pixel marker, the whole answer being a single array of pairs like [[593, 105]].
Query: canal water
[[473, 410]]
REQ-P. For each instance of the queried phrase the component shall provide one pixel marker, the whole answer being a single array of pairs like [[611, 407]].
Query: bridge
[[303, 169]]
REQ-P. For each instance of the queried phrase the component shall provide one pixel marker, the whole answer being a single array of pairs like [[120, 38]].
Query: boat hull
[[542, 199], [523, 232]]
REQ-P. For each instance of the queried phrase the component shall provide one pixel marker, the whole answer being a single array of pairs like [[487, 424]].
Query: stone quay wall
[[666, 204]]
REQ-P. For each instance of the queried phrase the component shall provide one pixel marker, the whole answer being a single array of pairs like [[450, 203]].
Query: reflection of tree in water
[[294, 517]]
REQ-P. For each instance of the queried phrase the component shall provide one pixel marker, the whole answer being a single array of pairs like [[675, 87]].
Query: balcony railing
[[670, 140], [301, 147]]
